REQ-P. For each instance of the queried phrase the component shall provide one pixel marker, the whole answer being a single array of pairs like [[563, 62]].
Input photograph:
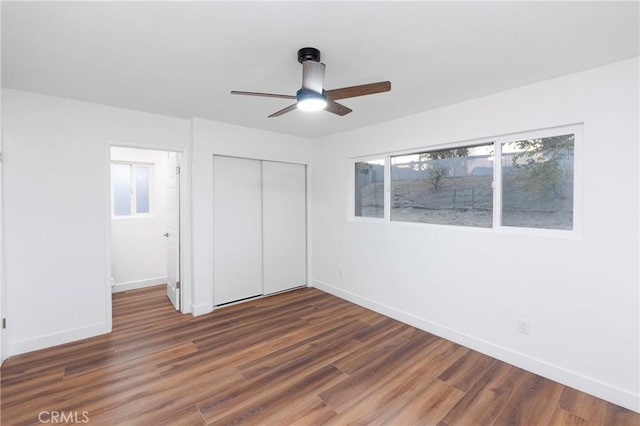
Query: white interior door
[[237, 229], [173, 228], [284, 226], [3, 334]]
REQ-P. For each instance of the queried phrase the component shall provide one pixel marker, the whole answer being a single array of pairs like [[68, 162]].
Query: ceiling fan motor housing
[[308, 54]]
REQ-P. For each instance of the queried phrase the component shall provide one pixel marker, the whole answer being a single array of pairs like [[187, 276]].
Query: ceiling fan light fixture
[[310, 101]]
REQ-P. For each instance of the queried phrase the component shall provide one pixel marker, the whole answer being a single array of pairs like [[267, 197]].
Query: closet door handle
[[166, 235]]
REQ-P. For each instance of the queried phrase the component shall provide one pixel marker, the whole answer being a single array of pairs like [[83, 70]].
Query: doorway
[[3, 334], [145, 220]]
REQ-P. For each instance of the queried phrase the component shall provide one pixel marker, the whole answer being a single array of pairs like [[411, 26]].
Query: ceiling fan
[[312, 96]]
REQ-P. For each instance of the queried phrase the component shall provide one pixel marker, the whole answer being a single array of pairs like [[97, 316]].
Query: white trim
[[173, 294], [387, 189], [3, 295], [186, 283], [590, 385], [107, 229], [308, 222], [58, 338], [202, 309], [244, 156], [133, 285], [351, 202], [496, 186]]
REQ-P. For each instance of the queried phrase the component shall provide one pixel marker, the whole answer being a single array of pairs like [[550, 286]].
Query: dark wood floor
[[303, 357]]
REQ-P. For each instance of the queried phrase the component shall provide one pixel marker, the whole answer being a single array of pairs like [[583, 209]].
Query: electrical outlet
[[523, 326]]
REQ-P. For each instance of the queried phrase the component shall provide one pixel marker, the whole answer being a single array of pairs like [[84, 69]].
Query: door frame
[[308, 169], [177, 291], [185, 223], [3, 298]]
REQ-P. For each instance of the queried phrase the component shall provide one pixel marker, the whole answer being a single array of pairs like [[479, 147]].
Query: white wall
[[138, 249], [580, 295], [56, 211], [211, 138]]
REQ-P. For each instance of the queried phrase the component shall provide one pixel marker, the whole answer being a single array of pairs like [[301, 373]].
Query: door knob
[[166, 235]]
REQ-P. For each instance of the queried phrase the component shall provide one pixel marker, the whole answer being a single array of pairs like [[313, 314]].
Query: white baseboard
[[133, 285], [202, 309], [54, 339], [172, 294], [569, 378]]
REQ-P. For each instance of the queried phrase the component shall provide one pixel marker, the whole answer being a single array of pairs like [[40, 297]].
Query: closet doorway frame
[[307, 221]]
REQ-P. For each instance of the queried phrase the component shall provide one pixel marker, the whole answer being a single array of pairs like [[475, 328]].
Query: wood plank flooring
[[298, 358]]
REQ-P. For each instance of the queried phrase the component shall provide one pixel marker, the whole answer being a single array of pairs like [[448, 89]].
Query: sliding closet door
[[237, 227], [283, 226]]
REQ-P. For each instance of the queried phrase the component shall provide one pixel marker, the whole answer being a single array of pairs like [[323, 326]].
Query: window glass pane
[[121, 180], [142, 189], [369, 188], [450, 187], [537, 183]]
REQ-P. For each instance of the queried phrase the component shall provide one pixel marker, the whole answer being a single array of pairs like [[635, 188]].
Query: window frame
[[497, 141], [351, 205], [576, 230], [133, 190], [467, 144]]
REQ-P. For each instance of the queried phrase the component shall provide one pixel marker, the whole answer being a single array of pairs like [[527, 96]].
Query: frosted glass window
[[448, 187], [132, 185], [142, 189], [369, 188], [537, 182], [121, 177]]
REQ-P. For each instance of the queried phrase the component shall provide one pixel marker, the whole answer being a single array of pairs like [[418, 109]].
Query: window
[[131, 188], [141, 193], [449, 187], [369, 188], [537, 182], [534, 175]]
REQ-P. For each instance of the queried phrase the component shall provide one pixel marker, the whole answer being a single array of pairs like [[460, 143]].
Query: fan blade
[[283, 111], [337, 108], [266, 95], [362, 90]]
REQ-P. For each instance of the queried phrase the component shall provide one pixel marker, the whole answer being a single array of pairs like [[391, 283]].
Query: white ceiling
[[182, 58]]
